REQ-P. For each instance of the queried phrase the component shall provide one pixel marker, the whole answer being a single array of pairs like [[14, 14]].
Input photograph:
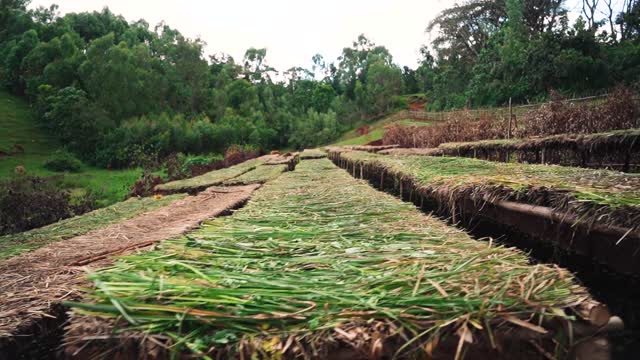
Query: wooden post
[[510, 118]]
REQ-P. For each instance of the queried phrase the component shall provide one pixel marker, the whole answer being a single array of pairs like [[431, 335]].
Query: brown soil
[[417, 106], [33, 285]]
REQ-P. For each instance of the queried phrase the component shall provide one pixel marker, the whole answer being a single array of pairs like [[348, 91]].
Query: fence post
[[510, 119]]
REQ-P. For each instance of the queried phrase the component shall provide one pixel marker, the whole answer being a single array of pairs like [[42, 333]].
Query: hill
[[366, 133], [23, 142]]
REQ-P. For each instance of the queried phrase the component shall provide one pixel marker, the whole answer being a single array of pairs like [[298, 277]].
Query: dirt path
[[33, 285]]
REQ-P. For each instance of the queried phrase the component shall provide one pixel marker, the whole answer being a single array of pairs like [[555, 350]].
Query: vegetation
[[298, 265], [27, 202], [13, 245], [261, 174], [588, 193], [486, 52], [63, 161], [211, 178], [88, 75], [618, 111], [36, 147]]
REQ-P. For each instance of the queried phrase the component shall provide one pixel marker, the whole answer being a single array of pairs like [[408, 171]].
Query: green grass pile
[[12, 245], [583, 141], [216, 177], [317, 258], [313, 154], [602, 195], [259, 175]]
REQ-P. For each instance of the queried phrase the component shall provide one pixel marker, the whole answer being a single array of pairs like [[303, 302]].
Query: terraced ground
[[321, 265]]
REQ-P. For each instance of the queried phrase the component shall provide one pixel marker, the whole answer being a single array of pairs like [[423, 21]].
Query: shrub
[[236, 154], [618, 111], [180, 166], [27, 202], [63, 161], [145, 185]]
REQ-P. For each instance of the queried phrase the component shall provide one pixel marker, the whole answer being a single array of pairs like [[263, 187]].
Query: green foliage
[[63, 161], [94, 77], [314, 129], [520, 50], [78, 122], [20, 126]]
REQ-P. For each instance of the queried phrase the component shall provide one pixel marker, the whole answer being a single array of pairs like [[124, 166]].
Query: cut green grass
[[315, 255], [313, 154], [216, 177], [586, 140], [12, 245], [409, 122], [590, 194], [259, 175]]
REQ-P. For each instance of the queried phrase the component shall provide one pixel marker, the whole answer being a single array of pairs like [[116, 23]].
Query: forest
[[121, 93]]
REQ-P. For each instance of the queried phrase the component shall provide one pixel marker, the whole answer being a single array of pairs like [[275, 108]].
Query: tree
[[118, 78], [76, 121], [383, 82], [255, 67]]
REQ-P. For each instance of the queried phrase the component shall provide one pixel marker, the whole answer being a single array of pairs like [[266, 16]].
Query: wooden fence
[[501, 114]]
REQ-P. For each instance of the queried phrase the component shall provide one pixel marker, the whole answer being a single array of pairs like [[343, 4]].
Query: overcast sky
[[291, 30]]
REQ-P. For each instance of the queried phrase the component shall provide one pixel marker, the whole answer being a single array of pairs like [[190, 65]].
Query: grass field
[[19, 125]]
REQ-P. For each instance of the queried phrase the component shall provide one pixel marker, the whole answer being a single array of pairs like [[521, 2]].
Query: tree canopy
[[114, 90]]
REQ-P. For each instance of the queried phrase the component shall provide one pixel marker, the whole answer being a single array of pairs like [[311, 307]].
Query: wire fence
[[496, 112]]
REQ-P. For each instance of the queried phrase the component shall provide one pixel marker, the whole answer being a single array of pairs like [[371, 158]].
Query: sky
[[291, 30]]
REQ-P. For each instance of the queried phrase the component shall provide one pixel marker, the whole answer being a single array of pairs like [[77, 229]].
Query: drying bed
[[320, 265], [211, 178], [617, 150], [593, 204], [13, 245], [259, 175], [312, 154]]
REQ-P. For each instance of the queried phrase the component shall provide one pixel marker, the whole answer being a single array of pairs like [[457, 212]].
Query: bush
[[619, 111], [145, 185], [180, 166], [27, 202], [237, 154], [63, 161]]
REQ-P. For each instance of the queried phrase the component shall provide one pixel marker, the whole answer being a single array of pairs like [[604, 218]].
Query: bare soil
[[33, 285]]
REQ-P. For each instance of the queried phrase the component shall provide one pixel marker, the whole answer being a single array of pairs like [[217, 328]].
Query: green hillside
[[18, 125], [376, 130]]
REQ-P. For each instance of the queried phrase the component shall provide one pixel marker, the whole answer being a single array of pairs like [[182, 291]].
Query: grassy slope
[[18, 125], [376, 131]]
